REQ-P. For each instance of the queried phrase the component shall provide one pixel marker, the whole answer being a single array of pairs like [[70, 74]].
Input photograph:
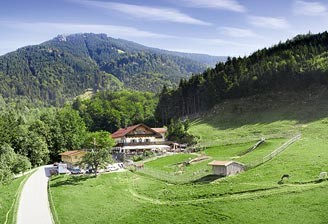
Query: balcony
[[143, 143]]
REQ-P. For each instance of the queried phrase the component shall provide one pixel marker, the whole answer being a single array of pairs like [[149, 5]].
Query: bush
[[148, 154], [178, 132], [5, 176], [137, 158]]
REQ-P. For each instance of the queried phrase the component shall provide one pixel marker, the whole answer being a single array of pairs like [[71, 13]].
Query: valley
[[97, 129]]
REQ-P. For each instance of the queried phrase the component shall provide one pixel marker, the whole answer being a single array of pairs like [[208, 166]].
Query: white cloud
[[147, 12], [56, 28], [237, 32], [219, 42], [231, 5], [213, 46], [309, 8], [269, 22]]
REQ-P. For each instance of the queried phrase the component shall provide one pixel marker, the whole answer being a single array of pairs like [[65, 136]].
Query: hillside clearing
[[165, 195]]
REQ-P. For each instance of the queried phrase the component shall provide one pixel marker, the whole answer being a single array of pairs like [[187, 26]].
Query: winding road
[[33, 205]]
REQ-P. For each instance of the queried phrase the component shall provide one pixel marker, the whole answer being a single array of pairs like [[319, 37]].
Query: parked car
[[90, 170], [53, 171], [62, 168], [76, 171], [110, 168]]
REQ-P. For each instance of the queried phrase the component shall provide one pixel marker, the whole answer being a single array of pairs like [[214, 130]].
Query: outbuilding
[[226, 168], [72, 158]]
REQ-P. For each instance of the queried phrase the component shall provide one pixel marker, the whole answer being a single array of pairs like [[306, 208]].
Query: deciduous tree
[[98, 144]]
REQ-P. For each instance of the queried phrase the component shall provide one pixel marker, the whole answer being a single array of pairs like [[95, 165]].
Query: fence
[[257, 144], [174, 177], [236, 139], [274, 153]]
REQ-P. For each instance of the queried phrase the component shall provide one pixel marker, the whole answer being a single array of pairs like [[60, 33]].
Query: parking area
[[61, 168]]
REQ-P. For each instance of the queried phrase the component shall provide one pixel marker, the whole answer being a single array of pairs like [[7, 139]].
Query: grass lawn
[[250, 197], [8, 195], [111, 198], [254, 196], [169, 163]]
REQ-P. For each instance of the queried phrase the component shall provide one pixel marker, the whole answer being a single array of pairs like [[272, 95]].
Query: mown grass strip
[[12, 218], [54, 214], [235, 196]]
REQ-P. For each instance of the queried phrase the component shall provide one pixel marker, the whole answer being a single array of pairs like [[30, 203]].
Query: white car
[[111, 168], [62, 169]]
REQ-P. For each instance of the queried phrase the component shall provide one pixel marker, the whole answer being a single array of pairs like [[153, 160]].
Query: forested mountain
[[202, 58], [293, 65], [66, 66]]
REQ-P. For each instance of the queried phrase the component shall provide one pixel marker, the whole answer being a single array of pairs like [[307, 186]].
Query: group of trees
[[292, 65], [112, 110], [32, 137], [177, 131]]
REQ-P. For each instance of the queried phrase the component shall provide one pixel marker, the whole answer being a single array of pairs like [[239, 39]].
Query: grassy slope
[[7, 196], [251, 197]]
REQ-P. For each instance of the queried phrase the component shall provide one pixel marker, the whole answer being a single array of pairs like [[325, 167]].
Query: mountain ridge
[[65, 66]]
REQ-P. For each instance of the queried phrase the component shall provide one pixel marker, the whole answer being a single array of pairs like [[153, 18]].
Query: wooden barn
[[226, 168]]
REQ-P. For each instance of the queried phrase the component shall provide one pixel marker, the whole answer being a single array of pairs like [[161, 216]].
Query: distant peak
[[61, 37]]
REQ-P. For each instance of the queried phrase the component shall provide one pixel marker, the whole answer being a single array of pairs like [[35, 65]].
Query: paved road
[[34, 206]]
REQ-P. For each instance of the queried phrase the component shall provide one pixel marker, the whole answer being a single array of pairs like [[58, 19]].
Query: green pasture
[[162, 194]]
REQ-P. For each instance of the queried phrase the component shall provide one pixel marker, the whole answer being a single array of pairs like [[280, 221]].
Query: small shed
[[226, 168]]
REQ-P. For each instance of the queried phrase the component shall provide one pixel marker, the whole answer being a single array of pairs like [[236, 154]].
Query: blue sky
[[216, 27]]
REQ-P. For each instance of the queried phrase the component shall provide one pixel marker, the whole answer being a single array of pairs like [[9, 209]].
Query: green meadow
[[257, 195]]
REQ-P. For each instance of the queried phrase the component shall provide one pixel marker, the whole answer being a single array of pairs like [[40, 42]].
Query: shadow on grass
[[71, 180], [207, 179], [303, 106]]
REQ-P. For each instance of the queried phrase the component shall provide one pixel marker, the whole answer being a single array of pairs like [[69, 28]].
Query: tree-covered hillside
[[112, 110], [33, 136], [66, 66], [293, 65]]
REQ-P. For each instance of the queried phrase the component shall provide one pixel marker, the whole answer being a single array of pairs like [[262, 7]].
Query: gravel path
[[33, 205]]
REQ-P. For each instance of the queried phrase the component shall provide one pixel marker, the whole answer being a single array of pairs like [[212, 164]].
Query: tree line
[[26, 143], [110, 111], [31, 135], [293, 65]]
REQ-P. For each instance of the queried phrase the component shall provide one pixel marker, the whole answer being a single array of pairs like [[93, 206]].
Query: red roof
[[69, 153], [123, 131]]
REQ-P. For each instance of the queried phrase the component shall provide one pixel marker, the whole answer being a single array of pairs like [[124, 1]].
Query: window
[[133, 141], [140, 139], [147, 140]]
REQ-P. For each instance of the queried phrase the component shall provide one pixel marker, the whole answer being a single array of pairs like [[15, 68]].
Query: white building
[[139, 138]]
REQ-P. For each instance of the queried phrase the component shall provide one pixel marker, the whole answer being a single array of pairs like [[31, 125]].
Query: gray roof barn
[[226, 168]]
